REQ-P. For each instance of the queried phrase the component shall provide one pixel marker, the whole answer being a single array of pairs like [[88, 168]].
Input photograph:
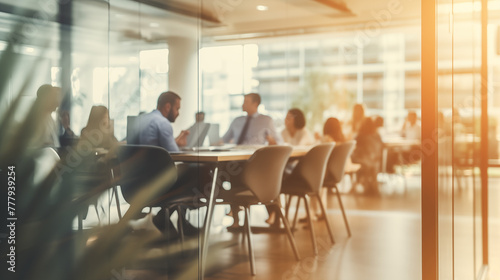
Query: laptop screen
[[197, 134]]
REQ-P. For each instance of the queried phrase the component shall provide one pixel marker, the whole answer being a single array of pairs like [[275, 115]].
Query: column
[[183, 78]]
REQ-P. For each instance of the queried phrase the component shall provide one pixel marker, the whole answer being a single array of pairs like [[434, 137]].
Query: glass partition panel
[[459, 62], [444, 138]]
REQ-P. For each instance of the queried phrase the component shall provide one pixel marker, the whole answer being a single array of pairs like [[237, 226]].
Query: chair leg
[[167, 223], [296, 213], [343, 211], [288, 232], [326, 218], [311, 227], [249, 239], [115, 191], [80, 223], [288, 199], [97, 213], [180, 218]]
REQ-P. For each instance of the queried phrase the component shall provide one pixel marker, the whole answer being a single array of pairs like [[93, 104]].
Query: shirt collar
[[254, 115]]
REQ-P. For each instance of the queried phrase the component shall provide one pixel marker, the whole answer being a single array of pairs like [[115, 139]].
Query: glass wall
[[384, 75], [458, 137]]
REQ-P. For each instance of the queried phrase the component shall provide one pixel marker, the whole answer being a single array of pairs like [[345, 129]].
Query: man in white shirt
[[253, 129], [411, 128]]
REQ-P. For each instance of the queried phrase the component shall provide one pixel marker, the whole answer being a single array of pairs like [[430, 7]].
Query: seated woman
[[368, 153], [98, 132], [92, 172], [353, 126], [295, 132], [332, 132]]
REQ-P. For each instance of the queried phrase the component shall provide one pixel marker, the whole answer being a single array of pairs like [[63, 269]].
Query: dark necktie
[[244, 131]]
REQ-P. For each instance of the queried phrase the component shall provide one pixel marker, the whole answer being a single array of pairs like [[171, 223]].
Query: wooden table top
[[229, 155]]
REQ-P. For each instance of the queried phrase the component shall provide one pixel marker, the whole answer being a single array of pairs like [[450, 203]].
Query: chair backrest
[[338, 161], [140, 165], [312, 167], [264, 171]]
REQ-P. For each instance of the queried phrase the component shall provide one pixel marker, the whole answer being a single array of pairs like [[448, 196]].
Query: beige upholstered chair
[[335, 171], [306, 180], [261, 178]]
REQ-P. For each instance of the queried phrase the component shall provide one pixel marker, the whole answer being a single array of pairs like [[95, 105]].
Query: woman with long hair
[[332, 131], [98, 131], [358, 116]]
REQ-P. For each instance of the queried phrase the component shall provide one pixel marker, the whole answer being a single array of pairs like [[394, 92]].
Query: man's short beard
[[171, 116]]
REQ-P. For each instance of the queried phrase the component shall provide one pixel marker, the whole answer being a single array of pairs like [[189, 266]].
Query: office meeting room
[[250, 139]]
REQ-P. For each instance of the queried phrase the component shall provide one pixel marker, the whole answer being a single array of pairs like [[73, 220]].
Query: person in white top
[[295, 132], [47, 101], [411, 128]]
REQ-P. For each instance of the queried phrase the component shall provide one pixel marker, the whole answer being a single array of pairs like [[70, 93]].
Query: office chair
[[306, 179]]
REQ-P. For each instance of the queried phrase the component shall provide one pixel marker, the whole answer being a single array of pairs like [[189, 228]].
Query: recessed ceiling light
[[29, 49], [154, 24], [262, 8]]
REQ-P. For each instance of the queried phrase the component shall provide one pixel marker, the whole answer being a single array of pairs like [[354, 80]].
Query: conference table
[[220, 160], [398, 145]]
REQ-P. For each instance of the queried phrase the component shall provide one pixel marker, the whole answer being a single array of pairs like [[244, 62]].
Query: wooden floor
[[385, 242]]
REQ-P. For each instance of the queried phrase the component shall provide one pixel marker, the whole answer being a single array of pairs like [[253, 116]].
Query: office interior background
[[322, 56]]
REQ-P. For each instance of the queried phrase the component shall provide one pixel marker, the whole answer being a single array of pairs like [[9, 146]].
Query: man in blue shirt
[[156, 127], [253, 129]]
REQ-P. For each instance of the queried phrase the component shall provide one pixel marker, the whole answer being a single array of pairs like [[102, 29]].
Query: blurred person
[[155, 128], [66, 134], [411, 128], [379, 123], [295, 132], [199, 117], [253, 129], [47, 100], [368, 153], [358, 116], [332, 131], [98, 131]]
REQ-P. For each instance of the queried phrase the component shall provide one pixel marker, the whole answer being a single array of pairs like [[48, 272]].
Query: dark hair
[[167, 97], [299, 120], [43, 90], [378, 121], [96, 115], [367, 127], [255, 97], [333, 129]]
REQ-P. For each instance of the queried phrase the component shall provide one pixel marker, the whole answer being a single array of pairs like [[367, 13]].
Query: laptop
[[213, 135], [197, 134]]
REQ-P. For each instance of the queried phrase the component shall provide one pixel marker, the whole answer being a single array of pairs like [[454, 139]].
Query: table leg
[[202, 257]]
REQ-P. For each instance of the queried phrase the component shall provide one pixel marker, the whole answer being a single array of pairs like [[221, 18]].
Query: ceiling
[[156, 20]]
